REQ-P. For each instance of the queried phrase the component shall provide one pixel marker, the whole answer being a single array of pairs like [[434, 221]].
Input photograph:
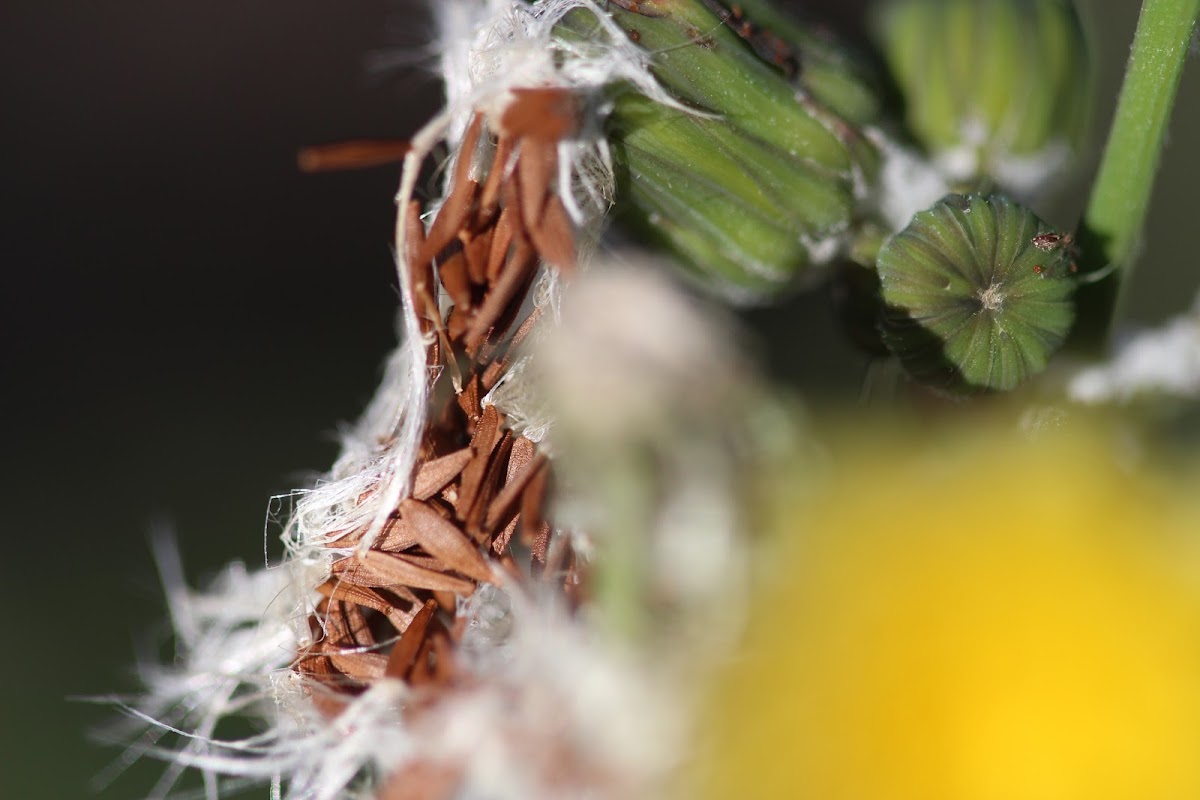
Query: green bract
[[996, 88], [759, 165], [977, 293]]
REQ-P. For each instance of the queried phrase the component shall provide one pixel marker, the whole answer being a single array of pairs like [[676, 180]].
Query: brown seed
[[496, 336], [337, 629], [505, 503], [495, 370], [540, 552], [477, 248], [554, 237], [377, 569], [364, 667], [353, 154], [335, 589], [395, 536], [515, 275], [510, 197], [501, 240], [422, 669], [466, 151], [487, 433], [441, 538], [420, 270], [433, 475], [546, 113], [359, 629], [500, 543], [492, 476], [489, 198], [457, 324], [405, 651], [449, 221], [468, 399], [446, 601], [453, 272], [536, 170], [532, 502], [425, 560]]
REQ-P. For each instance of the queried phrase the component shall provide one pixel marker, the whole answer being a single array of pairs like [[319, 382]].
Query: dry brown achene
[[478, 488]]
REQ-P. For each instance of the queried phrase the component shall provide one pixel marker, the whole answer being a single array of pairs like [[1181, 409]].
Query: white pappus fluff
[[908, 182], [233, 642], [1164, 361]]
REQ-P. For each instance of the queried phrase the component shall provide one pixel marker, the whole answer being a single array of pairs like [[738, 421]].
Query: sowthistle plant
[[579, 546]]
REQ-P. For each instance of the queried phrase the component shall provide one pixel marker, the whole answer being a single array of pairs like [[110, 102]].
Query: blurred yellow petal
[[1004, 621]]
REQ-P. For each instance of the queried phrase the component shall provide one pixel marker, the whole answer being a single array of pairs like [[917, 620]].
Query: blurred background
[[187, 319]]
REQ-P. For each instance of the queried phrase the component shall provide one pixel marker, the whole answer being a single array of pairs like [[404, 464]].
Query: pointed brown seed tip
[[515, 275], [485, 437], [553, 236], [353, 154], [489, 198], [505, 503], [396, 536], [405, 651], [497, 464], [449, 221]]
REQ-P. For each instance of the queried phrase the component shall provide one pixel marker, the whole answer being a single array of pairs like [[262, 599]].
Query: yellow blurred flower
[[1004, 621]]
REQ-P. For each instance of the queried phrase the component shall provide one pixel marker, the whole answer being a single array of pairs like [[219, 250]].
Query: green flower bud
[[760, 181], [993, 88], [977, 293]]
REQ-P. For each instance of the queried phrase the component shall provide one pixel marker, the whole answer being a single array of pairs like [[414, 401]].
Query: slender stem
[[1116, 211]]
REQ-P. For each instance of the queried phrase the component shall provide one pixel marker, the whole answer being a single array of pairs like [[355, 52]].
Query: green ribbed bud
[[977, 293], [763, 177], [993, 88]]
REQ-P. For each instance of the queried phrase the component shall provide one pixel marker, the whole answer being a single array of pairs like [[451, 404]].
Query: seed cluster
[[476, 513]]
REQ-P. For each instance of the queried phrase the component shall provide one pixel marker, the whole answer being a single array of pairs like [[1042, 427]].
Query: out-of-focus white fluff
[[908, 182], [560, 711], [1163, 361], [646, 386]]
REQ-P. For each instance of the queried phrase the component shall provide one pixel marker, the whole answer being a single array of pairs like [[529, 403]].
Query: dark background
[[187, 319]]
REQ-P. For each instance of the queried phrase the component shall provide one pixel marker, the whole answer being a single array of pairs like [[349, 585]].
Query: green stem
[[1116, 212]]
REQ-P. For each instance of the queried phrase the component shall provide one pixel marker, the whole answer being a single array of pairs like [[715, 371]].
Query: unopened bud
[[993, 88]]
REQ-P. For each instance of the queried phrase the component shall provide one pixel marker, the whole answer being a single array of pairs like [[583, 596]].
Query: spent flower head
[[543, 536]]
